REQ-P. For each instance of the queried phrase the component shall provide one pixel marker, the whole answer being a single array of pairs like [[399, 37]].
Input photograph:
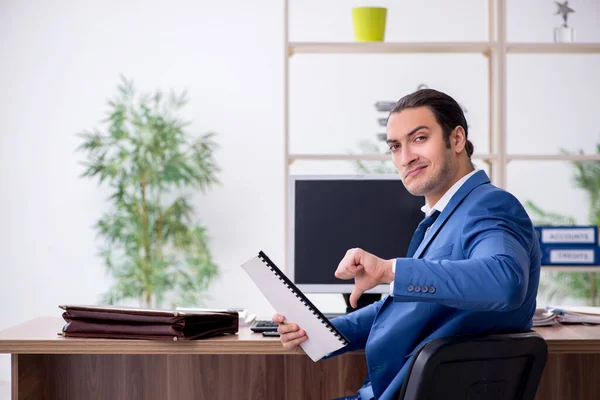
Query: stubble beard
[[432, 182]]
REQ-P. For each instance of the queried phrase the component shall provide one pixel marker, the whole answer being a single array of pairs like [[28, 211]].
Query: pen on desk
[[556, 311]]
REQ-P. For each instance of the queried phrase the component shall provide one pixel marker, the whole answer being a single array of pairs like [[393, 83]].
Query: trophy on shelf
[[564, 33]]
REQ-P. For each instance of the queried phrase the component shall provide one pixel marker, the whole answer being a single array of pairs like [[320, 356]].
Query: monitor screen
[[330, 214]]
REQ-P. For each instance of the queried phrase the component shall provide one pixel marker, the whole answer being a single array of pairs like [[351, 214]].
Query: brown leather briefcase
[[139, 323]]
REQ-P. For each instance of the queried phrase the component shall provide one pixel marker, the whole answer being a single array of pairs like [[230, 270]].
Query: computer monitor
[[330, 214]]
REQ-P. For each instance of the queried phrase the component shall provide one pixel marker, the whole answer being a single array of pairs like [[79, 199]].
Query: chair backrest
[[504, 366]]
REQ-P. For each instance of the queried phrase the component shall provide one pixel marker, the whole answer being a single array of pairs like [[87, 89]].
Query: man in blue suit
[[472, 267]]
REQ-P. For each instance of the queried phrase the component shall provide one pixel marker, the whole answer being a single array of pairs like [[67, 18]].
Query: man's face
[[419, 152]]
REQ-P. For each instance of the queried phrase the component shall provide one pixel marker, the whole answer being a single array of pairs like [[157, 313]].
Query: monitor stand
[[364, 300]]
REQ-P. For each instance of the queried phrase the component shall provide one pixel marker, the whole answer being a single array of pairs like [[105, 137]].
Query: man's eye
[[420, 138], [394, 147]]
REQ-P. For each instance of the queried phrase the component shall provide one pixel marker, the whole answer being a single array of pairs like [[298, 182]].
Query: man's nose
[[408, 156]]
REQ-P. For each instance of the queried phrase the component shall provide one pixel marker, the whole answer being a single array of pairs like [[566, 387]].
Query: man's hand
[[290, 335], [367, 270]]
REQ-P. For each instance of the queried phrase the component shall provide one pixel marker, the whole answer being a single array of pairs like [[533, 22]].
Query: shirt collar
[[445, 199]]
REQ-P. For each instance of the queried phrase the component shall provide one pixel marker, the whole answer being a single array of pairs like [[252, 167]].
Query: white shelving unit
[[495, 50]]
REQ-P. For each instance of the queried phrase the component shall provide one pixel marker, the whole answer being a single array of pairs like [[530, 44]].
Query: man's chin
[[415, 191], [418, 188]]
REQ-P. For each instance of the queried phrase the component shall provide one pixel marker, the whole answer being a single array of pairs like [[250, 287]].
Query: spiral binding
[[303, 299]]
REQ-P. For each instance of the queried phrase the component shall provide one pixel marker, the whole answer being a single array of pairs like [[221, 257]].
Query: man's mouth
[[414, 172]]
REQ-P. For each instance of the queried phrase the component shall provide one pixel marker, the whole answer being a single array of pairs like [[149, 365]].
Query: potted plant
[[578, 285], [154, 248]]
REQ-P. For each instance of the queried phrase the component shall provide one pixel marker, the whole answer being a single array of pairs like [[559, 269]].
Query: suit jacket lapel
[[479, 178]]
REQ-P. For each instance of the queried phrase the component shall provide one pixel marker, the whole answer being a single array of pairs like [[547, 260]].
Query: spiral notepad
[[288, 300]]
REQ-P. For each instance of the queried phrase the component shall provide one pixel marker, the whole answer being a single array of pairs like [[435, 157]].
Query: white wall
[[61, 60]]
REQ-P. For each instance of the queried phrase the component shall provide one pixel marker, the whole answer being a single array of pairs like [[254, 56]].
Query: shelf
[[570, 268], [438, 47], [490, 157], [388, 47], [364, 157], [341, 157], [553, 48], [553, 157]]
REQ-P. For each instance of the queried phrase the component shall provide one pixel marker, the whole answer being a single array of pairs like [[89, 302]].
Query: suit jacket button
[[424, 289], [417, 289], [431, 289], [410, 288]]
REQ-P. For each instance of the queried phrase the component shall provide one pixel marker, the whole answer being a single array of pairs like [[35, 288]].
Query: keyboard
[[263, 326]]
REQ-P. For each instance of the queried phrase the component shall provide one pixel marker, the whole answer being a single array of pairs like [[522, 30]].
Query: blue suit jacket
[[477, 271]]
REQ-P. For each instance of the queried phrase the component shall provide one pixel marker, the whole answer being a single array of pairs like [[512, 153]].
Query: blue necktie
[[420, 233]]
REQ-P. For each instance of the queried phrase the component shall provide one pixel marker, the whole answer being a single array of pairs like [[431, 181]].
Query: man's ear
[[458, 139]]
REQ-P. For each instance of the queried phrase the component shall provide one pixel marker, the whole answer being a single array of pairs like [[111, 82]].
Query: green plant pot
[[369, 23]]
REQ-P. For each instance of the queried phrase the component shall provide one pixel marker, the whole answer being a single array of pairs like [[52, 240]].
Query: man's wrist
[[388, 272]]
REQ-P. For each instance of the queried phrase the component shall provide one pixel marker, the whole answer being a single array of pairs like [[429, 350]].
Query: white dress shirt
[[440, 205]]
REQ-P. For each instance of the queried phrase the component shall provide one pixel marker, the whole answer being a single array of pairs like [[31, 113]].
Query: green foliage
[[153, 247], [577, 285], [377, 166], [557, 286], [587, 177], [541, 217]]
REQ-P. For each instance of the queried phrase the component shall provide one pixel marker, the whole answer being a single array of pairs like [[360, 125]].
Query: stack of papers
[[543, 317], [576, 315]]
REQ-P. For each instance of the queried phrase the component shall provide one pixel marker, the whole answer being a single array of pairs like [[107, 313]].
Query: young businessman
[[473, 264]]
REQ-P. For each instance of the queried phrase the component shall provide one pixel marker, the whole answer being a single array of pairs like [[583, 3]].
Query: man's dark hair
[[448, 113]]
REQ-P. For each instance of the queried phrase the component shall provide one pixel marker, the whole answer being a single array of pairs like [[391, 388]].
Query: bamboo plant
[[154, 248]]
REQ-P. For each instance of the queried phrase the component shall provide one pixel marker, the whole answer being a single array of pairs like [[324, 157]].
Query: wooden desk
[[246, 366]]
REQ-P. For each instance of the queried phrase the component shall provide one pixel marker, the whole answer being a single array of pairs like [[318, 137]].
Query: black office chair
[[493, 367]]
